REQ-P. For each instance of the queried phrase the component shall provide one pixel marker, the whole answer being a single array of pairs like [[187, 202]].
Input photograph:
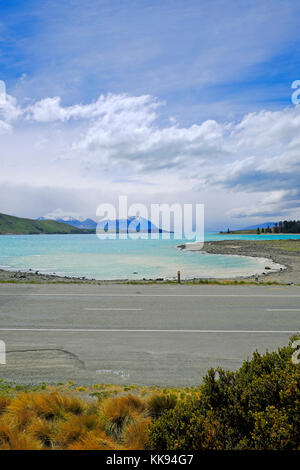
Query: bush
[[272, 430], [157, 404], [256, 407]]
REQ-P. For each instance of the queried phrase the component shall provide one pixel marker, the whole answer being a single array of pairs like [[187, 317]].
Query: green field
[[17, 225]]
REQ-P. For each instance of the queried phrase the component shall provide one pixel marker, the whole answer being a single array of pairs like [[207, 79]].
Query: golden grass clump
[[136, 435], [46, 405], [22, 418], [94, 440], [41, 429], [11, 438], [20, 442], [4, 402], [120, 412], [43, 420], [74, 428], [114, 408]]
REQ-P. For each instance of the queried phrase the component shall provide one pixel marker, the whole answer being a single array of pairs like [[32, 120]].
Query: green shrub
[[157, 404], [256, 407], [272, 430], [186, 427]]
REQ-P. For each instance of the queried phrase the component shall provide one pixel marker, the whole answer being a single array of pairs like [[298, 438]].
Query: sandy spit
[[283, 252]]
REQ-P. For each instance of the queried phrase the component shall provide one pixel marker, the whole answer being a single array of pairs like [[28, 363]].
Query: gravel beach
[[283, 252]]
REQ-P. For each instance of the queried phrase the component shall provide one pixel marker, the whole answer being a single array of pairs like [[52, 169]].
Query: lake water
[[86, 255]]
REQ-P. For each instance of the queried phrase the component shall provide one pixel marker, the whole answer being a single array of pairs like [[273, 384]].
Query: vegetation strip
[[256, 407]]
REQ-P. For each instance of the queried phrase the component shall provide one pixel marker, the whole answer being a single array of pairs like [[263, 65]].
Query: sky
[[173, 101]]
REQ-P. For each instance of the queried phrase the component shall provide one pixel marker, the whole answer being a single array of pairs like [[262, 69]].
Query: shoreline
[[266, 250], [248, 232], [283, 252]]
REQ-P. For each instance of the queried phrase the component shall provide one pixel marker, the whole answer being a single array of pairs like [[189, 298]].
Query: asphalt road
[[153, 335]]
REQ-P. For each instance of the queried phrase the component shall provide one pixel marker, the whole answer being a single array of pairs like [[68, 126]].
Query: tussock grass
[[94, 440], [136, 435], [121, 412], [42, 430], [45, 405], [55, 420], [4, 402]]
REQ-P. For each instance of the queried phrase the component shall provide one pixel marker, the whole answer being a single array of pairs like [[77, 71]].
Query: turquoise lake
[[86, 255]]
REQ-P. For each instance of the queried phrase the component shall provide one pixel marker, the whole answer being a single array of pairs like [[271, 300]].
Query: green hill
[[17, 225]]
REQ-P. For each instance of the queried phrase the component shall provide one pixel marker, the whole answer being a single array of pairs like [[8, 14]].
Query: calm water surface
[[86, 255]]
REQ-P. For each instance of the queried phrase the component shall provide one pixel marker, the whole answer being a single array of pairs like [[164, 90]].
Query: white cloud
[[265, 157], [50, 109], [63, 215], [9, 109], [119, 142], [125, 128], [276, 203]]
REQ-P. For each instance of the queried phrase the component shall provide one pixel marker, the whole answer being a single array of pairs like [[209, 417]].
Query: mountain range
[[82, 224], [131, 224]]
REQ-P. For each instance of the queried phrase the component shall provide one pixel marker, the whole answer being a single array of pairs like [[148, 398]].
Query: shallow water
[[86, 255]]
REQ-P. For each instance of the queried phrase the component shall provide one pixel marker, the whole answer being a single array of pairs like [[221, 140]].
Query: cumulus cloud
[[9, 112], [119, 137], [9, 109], [265, 157], [133, 137], [275, 204], [50, 109], [125, 128]]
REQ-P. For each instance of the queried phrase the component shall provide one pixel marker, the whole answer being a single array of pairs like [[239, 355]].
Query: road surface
[[152, 335]]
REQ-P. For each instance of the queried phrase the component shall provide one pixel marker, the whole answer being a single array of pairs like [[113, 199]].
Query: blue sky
[[201, 61], [193, 54]]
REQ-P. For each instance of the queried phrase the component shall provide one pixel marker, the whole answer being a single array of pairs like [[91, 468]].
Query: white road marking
[[107, 308], [151, 295], [100, 330], [283, 309]]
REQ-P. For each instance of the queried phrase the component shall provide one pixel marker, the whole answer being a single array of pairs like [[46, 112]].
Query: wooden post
[[178, 276]]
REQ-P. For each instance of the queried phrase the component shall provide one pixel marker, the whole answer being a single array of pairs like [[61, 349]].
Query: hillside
[[17, 225], [87, 223]]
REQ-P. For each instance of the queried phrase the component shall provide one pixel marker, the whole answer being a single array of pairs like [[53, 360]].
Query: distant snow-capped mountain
[[79, 223], [131, 224]]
